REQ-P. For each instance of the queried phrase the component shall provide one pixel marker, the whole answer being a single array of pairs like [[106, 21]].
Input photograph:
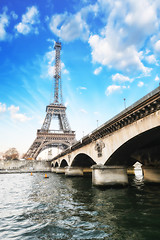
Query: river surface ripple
[[34, 207]]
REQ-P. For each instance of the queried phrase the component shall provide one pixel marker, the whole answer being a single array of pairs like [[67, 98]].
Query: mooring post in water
[[73, 171], [45, 175], [60, 170]]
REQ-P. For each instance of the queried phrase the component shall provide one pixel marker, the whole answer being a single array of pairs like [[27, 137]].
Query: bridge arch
[[51, 144], [56, 164], [63, 163], [138, 148], [82, 160]]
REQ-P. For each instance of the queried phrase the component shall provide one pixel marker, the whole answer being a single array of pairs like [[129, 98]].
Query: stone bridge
[[132, 135]]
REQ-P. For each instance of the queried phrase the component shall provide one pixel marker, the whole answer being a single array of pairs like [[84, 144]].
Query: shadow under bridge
[[83, 160], [144, 148]]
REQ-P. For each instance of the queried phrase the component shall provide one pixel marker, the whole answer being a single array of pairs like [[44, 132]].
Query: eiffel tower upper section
[[46, 137], [58, 82], [57, 109]]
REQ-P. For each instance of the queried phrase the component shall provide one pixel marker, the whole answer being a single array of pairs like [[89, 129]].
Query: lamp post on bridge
[[124, 102], [97, 123]]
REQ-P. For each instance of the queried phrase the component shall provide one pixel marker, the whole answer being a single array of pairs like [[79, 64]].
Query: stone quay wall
[[18, 166]]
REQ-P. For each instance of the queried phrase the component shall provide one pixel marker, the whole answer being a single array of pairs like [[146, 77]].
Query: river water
[[34, 207]]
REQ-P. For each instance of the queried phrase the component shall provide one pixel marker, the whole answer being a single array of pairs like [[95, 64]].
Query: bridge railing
[[55, 131]]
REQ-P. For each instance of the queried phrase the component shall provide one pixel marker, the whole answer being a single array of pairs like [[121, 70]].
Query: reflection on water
[[33, 207]]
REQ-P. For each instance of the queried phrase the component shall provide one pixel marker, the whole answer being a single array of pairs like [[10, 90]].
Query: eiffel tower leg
[[32, 151], [39, 148]]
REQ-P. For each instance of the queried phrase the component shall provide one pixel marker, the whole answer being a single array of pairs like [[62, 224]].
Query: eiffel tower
[[64, 136]]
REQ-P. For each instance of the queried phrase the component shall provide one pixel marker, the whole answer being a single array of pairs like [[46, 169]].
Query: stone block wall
[[24, 166]]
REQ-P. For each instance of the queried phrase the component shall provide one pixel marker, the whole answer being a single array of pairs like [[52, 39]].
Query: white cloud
[[66, 104], [121, 78], [140, 84], [97, 70], [126, 59], [14, 15], [129, 24], [51, 71], [69, 27], [83, 88], [50, 56], [23, 28], [2, 107], [157, 46], [143, 16], [65, 71], [29, 21], [151, 59], [96, 113], [83, 111], [49, 60], [156, 78], [63, 68], [4, 22], [147, 51], [113, 88], [46, 19], [17, 116]]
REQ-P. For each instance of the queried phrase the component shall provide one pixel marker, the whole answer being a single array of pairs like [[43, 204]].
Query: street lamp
[[124, 103]]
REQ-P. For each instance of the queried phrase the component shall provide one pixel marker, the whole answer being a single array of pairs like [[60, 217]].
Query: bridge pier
[[87, 171], [73, 171], [109, 175], [60, 170], [151, 174], [53, 169]]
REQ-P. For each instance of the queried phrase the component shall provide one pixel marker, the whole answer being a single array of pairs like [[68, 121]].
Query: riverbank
[[24, 166]]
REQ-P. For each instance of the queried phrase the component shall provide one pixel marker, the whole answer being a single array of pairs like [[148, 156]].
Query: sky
[[110, 52]]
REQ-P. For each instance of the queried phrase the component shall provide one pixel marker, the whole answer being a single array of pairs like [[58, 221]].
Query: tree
[[11, 154]]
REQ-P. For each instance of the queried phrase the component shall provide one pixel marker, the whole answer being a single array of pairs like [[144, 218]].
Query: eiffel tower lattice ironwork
[[64, 136]]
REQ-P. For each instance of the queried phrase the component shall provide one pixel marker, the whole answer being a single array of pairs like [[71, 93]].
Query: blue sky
[[110, 51]]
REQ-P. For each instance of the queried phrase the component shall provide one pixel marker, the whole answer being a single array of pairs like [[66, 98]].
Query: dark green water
[[32, 207]]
